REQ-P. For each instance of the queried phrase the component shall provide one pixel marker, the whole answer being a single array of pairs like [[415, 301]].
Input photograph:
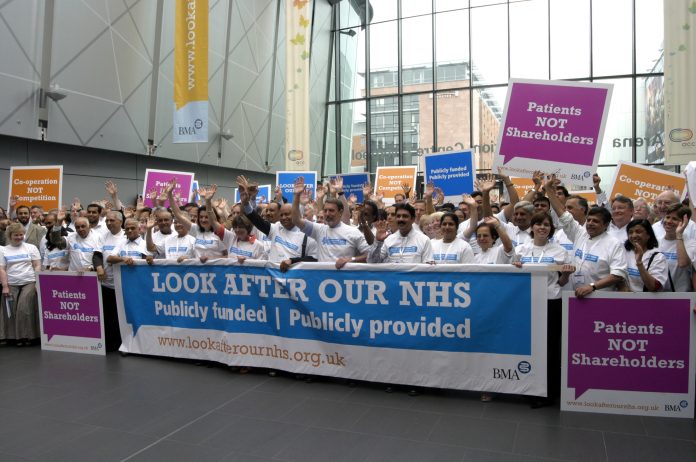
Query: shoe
[[414, 392], [389, 390], [272, 373], [244, 370], [486, 397]]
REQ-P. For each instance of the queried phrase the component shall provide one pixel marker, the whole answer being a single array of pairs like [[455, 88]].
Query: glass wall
[[421, 76]]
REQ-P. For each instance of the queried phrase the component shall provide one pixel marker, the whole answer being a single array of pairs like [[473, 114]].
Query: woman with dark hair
[[648, 270], [541, 251], [240, 243], [206, 231], [450, 249], [487, 233]]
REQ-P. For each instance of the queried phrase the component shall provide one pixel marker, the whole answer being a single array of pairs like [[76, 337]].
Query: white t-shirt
[[620, 234], [109, 245], [595, 258], [451, 253], [496, 255], [252, 249], [208, 244], [415, 247], [18, 262], [549, 254], [132, 249], [518, 236], [158, 239], [681, 276], [56, 258], [658, 269], [287, 243], [80, 250], [175, 246], [341, 241]]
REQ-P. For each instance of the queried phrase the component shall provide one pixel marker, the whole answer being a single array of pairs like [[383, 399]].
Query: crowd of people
[[617, 245]]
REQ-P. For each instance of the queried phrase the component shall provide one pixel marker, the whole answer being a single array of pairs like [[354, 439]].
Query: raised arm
[[112, 189], [207, 195], [485, 187], [298, 189], [149, 243], [550, 188], [337, 185], [473, 215], [428, 197], [180, 216], [683, 259], [502, 234]]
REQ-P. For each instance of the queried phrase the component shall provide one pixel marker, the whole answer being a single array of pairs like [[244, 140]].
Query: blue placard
[[453, 172], [286, 181], [353, 184], [194, 187]]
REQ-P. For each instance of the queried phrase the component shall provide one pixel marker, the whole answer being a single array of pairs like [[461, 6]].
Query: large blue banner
[[452, 312]]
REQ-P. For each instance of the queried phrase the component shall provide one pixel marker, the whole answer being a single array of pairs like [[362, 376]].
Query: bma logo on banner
[[191, 130]]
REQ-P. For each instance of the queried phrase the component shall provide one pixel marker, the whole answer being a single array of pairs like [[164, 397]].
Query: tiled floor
[[67, 407]]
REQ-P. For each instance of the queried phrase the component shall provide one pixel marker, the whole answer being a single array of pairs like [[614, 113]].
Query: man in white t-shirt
[[408, 245], [155, 241], [621, 216], [337, 242], [84, 246]]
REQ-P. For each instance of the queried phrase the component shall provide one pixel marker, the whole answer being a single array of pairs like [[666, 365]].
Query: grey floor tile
[[320, 445], [560, 443], [479, 455], [603, 422], [4, 457], [210, 397], [168, 422], [73, 406], [30, 436], [101, 445], [258, 437], [390, 449], [670, 428], [7, 384], [326, 414], [317, 387], [29, 395], [399, 423], [170, 451], [474, 433], [261, 405], [127, 415], [203, 428], [633, 448], [466, 404]]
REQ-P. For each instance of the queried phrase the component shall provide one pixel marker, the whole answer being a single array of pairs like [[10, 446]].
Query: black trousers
[[112, 332], [553, 344]]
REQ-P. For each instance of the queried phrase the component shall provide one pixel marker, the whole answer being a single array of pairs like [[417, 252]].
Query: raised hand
[[382, 230], [76, 204], [111, 187], [13, 201], [429, 189], [638, 249], [440, 196], [298, 186], [337, 183], [537, 178], [367, 189], [493, 221], [305, 197], [207, 193], [468, 200], [321, 192], [151, 222], [170, 186], [551, 184], [406, 188], [682, 226], [353, 198]]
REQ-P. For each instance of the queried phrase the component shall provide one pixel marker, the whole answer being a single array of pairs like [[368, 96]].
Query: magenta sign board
[[630, 343], [553, 126], [71, 312], [158, 179]]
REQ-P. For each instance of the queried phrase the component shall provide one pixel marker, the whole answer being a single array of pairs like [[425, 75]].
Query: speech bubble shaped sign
[[70, 306], [628, 345]]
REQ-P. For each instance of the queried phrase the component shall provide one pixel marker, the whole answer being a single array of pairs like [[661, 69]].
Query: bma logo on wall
[[191, 130]]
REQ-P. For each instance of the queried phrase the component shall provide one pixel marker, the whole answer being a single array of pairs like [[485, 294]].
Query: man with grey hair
[[621, 216], [663, 202], [155, 241], [111, 241], [519, 229], [84, 246]]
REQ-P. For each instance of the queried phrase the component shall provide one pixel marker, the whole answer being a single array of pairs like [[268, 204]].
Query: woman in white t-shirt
[[648, 270], [451, 250], [240, 244], [207, 231], [19, 321], [540, 251], [487, 233]]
